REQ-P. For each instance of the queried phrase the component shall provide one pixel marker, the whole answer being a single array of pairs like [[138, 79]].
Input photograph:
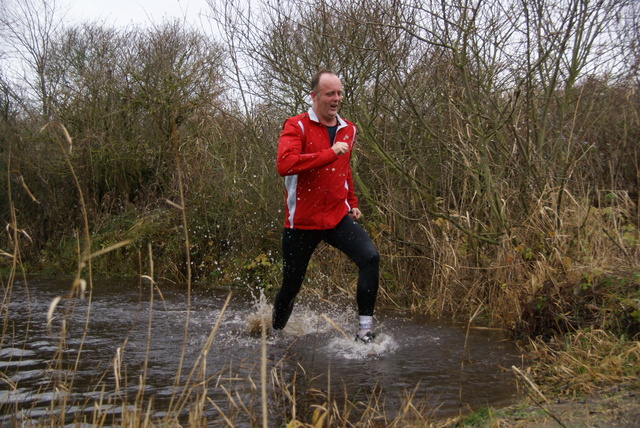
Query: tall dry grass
[[577, 249]]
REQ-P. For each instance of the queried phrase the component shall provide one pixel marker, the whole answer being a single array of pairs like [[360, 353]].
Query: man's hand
[[355, 213], [340, 147]]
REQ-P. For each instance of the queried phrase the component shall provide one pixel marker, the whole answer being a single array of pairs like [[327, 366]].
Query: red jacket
[[319, 184]]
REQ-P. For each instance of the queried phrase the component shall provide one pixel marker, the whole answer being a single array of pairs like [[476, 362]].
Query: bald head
[[326, 96]]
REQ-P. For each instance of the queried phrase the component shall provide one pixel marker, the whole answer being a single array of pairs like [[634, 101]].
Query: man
[[314, 153]]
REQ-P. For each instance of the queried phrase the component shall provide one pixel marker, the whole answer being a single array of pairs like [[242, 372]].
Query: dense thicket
[[498, 146]]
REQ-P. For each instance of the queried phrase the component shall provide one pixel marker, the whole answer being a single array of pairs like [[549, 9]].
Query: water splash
[[258, 316], [344, 348], [332, 325]]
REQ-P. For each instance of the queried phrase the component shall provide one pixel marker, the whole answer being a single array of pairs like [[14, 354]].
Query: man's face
[[327, 97]]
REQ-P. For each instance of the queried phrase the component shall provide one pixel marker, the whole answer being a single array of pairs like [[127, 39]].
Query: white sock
[[365, 324]]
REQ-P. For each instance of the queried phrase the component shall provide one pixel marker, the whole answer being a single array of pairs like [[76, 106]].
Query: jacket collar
[[313, 116]]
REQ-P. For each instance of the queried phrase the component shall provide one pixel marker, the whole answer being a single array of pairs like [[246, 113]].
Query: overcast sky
[[141, 12]]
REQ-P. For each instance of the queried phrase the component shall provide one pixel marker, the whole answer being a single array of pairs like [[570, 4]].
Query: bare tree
[[30, 28]]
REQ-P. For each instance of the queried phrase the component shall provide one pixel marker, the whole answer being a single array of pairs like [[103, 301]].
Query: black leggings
[[297, 247]]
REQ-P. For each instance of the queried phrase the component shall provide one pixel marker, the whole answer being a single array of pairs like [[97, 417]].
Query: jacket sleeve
[[291, 160]]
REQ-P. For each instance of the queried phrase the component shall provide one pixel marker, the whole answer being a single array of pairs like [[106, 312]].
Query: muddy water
[[104, 361]]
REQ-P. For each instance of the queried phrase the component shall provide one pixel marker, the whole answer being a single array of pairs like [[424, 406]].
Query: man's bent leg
[[297, 248], [350, 238]]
